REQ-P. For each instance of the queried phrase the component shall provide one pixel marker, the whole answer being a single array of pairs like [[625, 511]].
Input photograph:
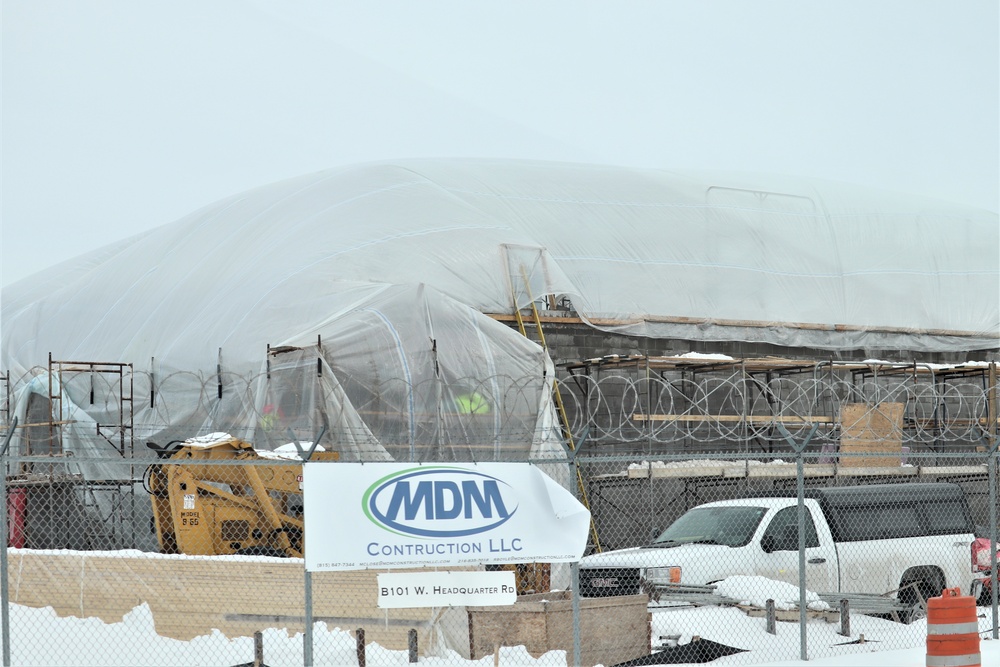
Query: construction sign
[[384, 515]]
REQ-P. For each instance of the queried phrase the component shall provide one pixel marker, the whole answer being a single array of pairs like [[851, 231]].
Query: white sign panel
[[446, 589], [383, 515]]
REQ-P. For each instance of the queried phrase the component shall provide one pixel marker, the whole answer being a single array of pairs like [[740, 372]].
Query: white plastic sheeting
[[656, 253], [659, 253], [425, 377], [379, 273], [402, 373]]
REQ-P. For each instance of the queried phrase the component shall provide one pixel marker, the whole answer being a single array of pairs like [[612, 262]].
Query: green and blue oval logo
[[439, 501]]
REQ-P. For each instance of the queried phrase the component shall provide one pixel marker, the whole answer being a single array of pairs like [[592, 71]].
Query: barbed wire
[[707, 408]]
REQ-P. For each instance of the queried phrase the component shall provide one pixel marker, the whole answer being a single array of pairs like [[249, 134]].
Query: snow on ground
[[914, 657], [733, 627], [40, 638], [748, 589]]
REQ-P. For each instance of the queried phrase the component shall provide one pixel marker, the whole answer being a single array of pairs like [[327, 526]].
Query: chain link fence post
[[992, 461], [574, 469], [307, 637], [4, 532], [800, 493], [575, 575]]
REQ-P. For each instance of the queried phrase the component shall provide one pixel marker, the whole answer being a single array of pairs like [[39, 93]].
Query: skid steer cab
[[216, 495]]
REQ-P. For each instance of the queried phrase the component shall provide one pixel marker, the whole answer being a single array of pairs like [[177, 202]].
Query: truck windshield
[[732, 526]]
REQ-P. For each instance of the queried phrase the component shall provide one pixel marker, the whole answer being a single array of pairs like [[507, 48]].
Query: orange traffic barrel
[[952, 630]]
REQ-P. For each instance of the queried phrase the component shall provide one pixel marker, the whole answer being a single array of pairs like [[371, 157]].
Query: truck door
[[780, 557]]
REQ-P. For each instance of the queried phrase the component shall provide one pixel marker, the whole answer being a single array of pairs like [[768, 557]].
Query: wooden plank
[[190, 596], [677, 471], [792, 615], [609, 322], [681, 472], [750, 419], [778, 471], [788, 470], [877, 471], [865, 602], [873, 432], [735, 471], [950, 422], [922, 422], [954, 470]]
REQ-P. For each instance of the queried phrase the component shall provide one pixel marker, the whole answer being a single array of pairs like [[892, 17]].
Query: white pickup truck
[[916, 539]]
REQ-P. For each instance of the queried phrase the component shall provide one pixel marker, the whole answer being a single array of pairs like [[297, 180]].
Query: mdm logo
[[439, 502]]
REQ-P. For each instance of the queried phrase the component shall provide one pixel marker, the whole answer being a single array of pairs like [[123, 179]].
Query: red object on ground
[[981, 554], [17, 510]]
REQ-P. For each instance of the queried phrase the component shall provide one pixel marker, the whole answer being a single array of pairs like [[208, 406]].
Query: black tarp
[[700, 650]]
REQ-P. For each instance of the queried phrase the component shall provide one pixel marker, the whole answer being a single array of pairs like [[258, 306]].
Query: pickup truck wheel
[[916, 588], [985, 598]]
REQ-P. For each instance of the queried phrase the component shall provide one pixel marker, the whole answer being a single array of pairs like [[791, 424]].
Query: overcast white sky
[[119, 115]]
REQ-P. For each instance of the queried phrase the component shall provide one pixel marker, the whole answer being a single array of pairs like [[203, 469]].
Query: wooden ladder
[[560, 407]]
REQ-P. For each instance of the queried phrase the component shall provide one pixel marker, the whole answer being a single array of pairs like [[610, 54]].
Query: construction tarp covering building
[[353, 299]]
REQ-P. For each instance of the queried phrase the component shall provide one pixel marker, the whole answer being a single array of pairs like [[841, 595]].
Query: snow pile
[[206, 441], [53, 641], [757, 591], [933, 367], [889, 643], [700, 355], [290, 451], [41, 638]]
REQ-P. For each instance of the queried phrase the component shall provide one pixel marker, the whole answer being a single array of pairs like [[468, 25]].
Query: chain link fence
[[694, 522], [200, 562], [699, 549]]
